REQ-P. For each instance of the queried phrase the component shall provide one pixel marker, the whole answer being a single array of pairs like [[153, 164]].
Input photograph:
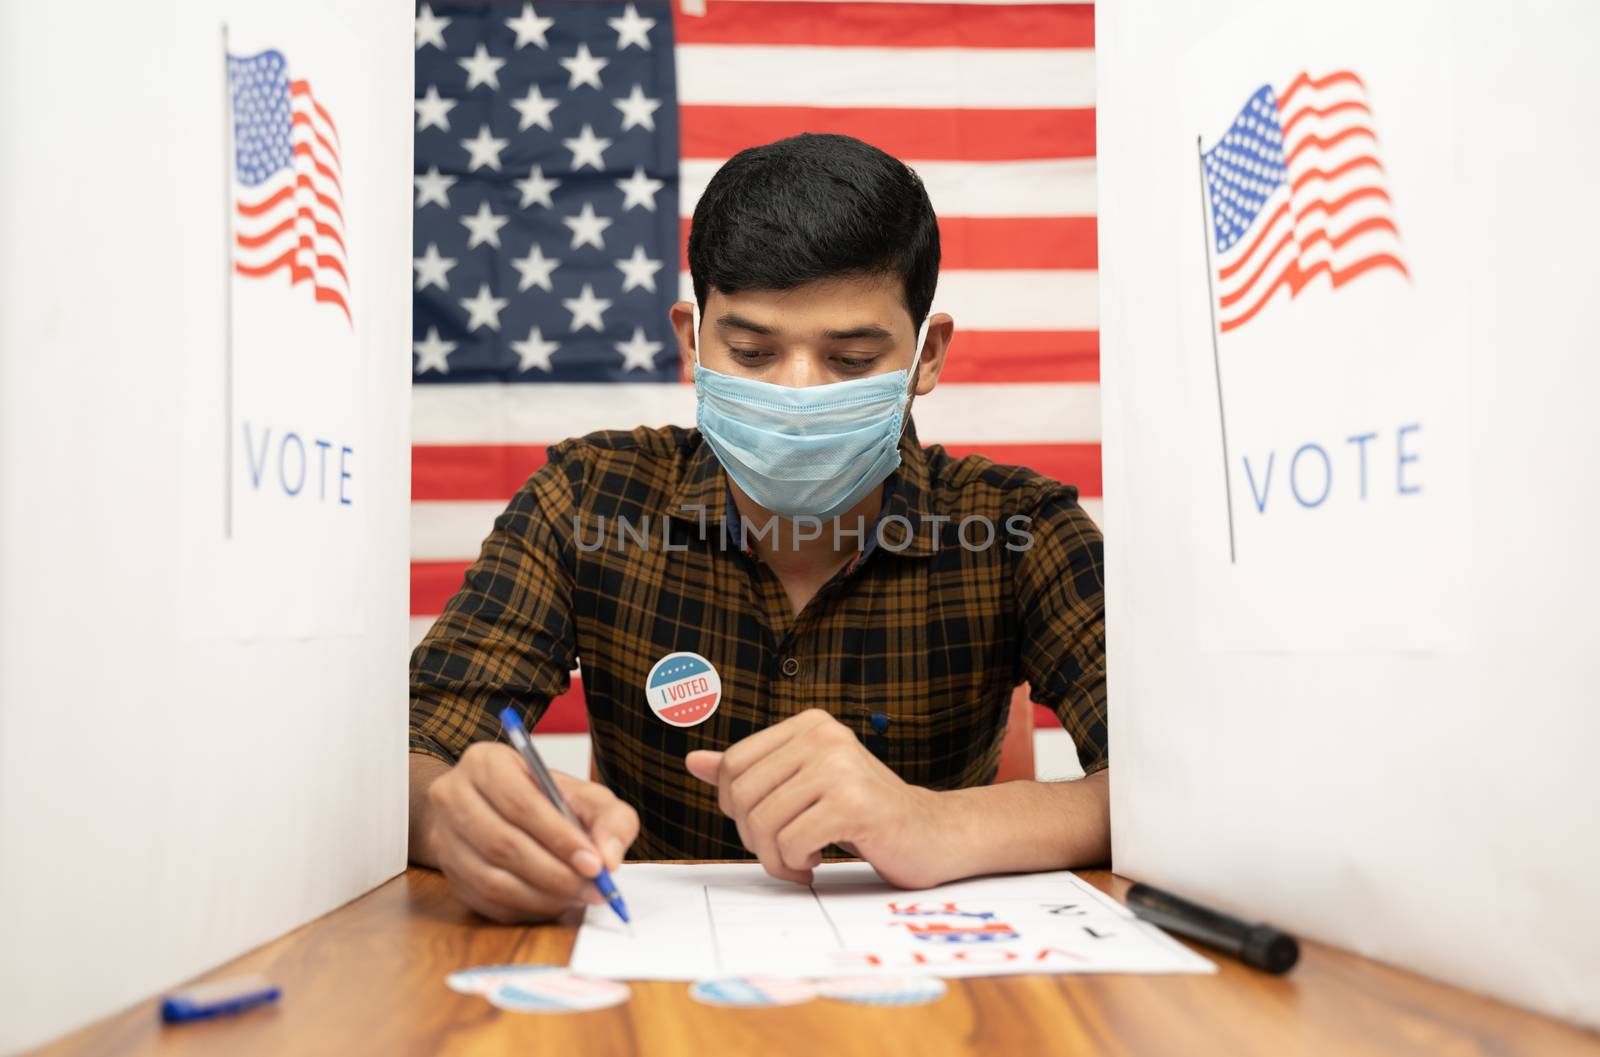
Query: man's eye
[[746, 355], [855, 363]]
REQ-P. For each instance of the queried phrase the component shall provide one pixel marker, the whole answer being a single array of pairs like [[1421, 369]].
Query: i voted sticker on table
[[752, 991], [559, 992], [683, 689], [482, 979]]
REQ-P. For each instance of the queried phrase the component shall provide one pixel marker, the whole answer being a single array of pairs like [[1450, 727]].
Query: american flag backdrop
[[560, 150], [1297, 190], [288, 202]]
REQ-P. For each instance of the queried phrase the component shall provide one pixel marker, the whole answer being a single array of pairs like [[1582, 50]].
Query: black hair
[[814, 206]]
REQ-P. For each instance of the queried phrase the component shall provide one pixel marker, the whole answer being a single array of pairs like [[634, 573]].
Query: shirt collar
[[703, 497], [905, 496]]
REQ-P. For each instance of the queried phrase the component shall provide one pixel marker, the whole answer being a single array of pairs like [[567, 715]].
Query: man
[[866, 604]]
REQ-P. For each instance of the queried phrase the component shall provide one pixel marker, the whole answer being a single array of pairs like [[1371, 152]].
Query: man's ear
[[681, 316], [934, 349]]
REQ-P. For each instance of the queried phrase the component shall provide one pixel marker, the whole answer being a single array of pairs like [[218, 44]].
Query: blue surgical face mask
[[814, 451]]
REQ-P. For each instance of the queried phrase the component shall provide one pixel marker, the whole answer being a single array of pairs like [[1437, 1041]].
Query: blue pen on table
[[541, 774], [217, 998]]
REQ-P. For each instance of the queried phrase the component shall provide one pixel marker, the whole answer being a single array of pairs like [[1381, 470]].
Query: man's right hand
[[505, 849]]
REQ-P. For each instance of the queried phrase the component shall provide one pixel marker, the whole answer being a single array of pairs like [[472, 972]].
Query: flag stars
[[638, 353], [433, 268], [587, 227], [638, 110], [639, 270], [484, 150], [484, 226], [433, 111], [535, 270], [639, 190], [529, 345], [584, 68], [587, 309], [482, 68], [433, 354], [430, 28], [535, 352], [587, 149], [432, 187], [535, 110], [530, 28], [632, 28], [536, 187], [484, 309]]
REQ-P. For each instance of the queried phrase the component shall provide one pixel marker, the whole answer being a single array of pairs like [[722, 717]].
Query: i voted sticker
[[683, 689], [482, 979], [752, 991], [560, 992]]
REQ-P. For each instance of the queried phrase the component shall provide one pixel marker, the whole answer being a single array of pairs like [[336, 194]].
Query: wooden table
[[369, 979]]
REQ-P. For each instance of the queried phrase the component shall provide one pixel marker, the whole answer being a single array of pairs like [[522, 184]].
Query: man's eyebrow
[[738, 322], [869, 330]]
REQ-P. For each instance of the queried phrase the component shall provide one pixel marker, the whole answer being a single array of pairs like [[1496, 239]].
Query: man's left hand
[[807, 782]]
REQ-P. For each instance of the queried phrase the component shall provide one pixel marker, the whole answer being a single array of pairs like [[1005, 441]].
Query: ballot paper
[[696, 922]]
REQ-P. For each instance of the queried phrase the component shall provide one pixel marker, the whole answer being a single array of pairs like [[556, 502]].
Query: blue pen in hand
[[541, 774]]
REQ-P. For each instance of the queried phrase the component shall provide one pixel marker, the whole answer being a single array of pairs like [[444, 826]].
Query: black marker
[[1260, 946]]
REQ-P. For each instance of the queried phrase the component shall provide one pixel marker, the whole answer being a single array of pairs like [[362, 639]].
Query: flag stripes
[[1297, 191], [992, 104], [289, 198]]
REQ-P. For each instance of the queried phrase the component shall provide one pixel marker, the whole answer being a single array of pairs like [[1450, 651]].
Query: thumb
[[704, 765]]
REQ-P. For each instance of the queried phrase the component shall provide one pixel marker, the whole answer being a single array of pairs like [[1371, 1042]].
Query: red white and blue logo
[[970, 926], [1297, 191], [683, 689]]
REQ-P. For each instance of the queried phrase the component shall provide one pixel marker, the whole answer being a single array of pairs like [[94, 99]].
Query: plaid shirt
[[914, 645]]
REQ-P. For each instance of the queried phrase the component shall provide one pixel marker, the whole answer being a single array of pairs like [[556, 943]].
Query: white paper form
[[694, 922]]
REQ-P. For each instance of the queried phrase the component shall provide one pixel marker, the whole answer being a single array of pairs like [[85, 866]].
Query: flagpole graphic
[[1216, 359], [227, 291]]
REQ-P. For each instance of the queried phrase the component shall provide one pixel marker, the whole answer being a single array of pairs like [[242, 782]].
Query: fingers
[[516, 846], [739, 793], [777, 812], [704, 764], [507, 851], [741, 755], [612, 824], [505, 783], [800, 842], [491, 891], [762, 785], [474, 846]]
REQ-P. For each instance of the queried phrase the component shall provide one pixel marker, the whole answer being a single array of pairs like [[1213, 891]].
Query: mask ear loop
[[916, 358], [695, 348]]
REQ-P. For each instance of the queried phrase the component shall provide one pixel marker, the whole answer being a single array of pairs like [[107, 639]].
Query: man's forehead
[[837, 309]]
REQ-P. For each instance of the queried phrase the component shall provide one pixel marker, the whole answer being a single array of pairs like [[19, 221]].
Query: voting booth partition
[[1348, 365], [1350, 454], [202, 621]]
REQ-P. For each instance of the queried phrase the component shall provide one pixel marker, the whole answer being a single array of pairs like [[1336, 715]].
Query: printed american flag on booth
[[288, 202], [1296, 190], [560, 150]]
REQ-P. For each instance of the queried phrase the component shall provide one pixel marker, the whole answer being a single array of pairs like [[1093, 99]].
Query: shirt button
[[791, 667]]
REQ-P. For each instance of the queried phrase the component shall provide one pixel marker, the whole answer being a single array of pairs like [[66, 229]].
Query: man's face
[[827, 331]]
